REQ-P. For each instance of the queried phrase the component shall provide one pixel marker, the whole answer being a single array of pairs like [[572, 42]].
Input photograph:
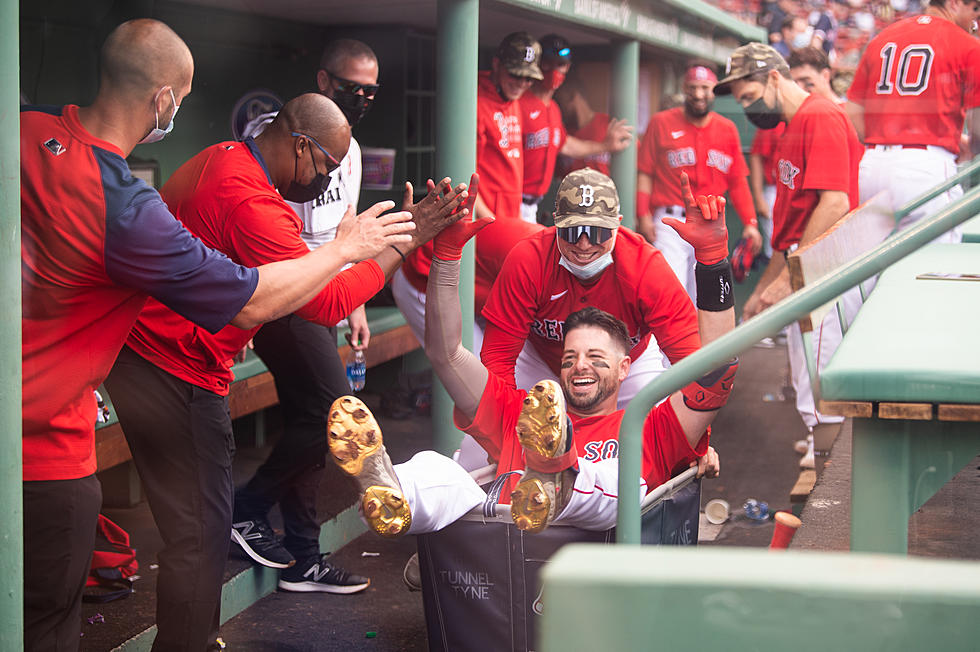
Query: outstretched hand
[[442, 206], [704, 228], [448, 245]]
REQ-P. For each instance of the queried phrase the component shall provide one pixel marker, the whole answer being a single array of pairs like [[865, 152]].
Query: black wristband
[[399, 252], [714, 286]]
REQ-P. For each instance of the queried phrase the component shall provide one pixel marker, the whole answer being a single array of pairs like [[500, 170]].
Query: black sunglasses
[[596, 234], [370, 90]]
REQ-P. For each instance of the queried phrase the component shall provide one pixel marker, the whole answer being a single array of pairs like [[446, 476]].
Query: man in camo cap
[[586, 259]]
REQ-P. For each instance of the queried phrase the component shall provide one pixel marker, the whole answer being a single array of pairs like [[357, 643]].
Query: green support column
[[625, 80], [11, 505], [456, 61]]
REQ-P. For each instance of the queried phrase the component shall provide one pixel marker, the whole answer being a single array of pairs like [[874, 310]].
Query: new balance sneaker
[[316, 574], [259, 542], [355, 442], [412, 574], [545, 434]]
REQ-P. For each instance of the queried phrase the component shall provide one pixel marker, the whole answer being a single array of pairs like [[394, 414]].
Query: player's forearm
[[832, 205], [579, 148], [644, 186], [757, 178], [287, 285], [349, 289], [973, 133], [742, 201], [460, 371], [856, 113]]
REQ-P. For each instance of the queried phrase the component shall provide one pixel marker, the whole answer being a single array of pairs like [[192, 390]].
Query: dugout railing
[[769, 322]]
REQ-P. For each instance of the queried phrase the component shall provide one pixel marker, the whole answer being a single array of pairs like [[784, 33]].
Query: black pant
[[181, 439], [310, 376], [60, 518]]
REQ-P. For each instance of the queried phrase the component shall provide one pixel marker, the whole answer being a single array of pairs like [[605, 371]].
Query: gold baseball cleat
[[356, 445], [542, 429]]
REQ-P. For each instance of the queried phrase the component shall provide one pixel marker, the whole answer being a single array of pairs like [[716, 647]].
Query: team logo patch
[[53, 146], [529, 54], [588, 195]]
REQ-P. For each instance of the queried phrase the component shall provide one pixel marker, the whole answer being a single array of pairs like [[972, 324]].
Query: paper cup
[[786, 526], [716, 511]]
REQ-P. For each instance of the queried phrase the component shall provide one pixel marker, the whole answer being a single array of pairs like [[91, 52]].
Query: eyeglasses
[[596, 234], [332, 163], [369, 90]]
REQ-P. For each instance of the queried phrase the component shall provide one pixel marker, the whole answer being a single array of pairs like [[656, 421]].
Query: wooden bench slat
[[958, 412], [804, 485], [915, 411], [860, 409]]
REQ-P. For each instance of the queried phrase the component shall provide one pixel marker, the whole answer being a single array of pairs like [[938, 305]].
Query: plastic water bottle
[[356, 371]]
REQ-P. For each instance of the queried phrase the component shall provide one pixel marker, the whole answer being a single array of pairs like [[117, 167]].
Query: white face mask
[[156, 134], [587, 271]]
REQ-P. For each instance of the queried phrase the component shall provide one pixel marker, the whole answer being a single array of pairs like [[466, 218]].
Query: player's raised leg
[[357, 447], [550, 458]]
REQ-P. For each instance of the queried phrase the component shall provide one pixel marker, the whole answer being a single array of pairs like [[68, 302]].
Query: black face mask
[[301, 193], [353, 105], [762, 115]]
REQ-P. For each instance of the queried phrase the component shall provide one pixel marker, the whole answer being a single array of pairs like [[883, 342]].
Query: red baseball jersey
[[819, 151], [96, 241], [499, 150], [764, 144], [595, 131], [914, 81], [666, 450], [711, 155], [533, 295], [224, 196], [544, 136]]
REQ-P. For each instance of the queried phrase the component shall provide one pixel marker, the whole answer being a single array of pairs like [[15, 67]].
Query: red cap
[[700, 73]]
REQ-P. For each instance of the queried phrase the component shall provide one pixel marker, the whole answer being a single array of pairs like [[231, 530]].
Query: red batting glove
[[705, 228], [448, 244]]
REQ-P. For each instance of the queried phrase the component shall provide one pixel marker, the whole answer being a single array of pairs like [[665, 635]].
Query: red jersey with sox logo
[[666, 450], [544, 136], [819, 151], [914, 81], [533, 295], [499, 150], [711, 155]]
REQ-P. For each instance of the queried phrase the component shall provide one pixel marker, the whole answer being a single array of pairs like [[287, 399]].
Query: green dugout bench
[[254, 389], [908, 372]]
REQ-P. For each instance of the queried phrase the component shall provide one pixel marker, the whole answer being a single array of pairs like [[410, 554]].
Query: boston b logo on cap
[[587, 197], [519, 54]]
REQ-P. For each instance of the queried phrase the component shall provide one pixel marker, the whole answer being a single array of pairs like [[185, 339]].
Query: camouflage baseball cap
[[587, 197], [748, 60], [519, 54]]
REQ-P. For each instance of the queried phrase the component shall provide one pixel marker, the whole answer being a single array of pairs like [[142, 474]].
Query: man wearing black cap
[[816, 185], [544, 134]]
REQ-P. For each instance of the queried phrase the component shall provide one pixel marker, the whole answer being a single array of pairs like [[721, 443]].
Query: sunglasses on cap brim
[[596, 234]]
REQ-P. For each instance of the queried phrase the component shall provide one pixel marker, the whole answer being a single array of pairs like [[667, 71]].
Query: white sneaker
[[808, 461], [802, 445]]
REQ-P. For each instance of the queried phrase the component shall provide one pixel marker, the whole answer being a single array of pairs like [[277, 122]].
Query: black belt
[[531, 200]]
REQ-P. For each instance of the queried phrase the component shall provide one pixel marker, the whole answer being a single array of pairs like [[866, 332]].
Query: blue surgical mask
[[156, 134]]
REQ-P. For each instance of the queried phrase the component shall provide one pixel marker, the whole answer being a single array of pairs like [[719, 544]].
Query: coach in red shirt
[[171, 381], [914, 84], [816, 163], [695, 140]]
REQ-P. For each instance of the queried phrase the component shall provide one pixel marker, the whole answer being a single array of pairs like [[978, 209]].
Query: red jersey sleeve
[[513, 299], [496, 414], [646, 157], [826, 151], [500, 351], [666, 451]]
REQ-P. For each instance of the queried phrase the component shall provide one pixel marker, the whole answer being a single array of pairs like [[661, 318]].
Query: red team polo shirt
[[594, 131], [501, 169], [96, 241], [819, 151], [666, 450], [711, 155], [534, 294], [914, 81], [544, 136], [764, 144], [225, 197]]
